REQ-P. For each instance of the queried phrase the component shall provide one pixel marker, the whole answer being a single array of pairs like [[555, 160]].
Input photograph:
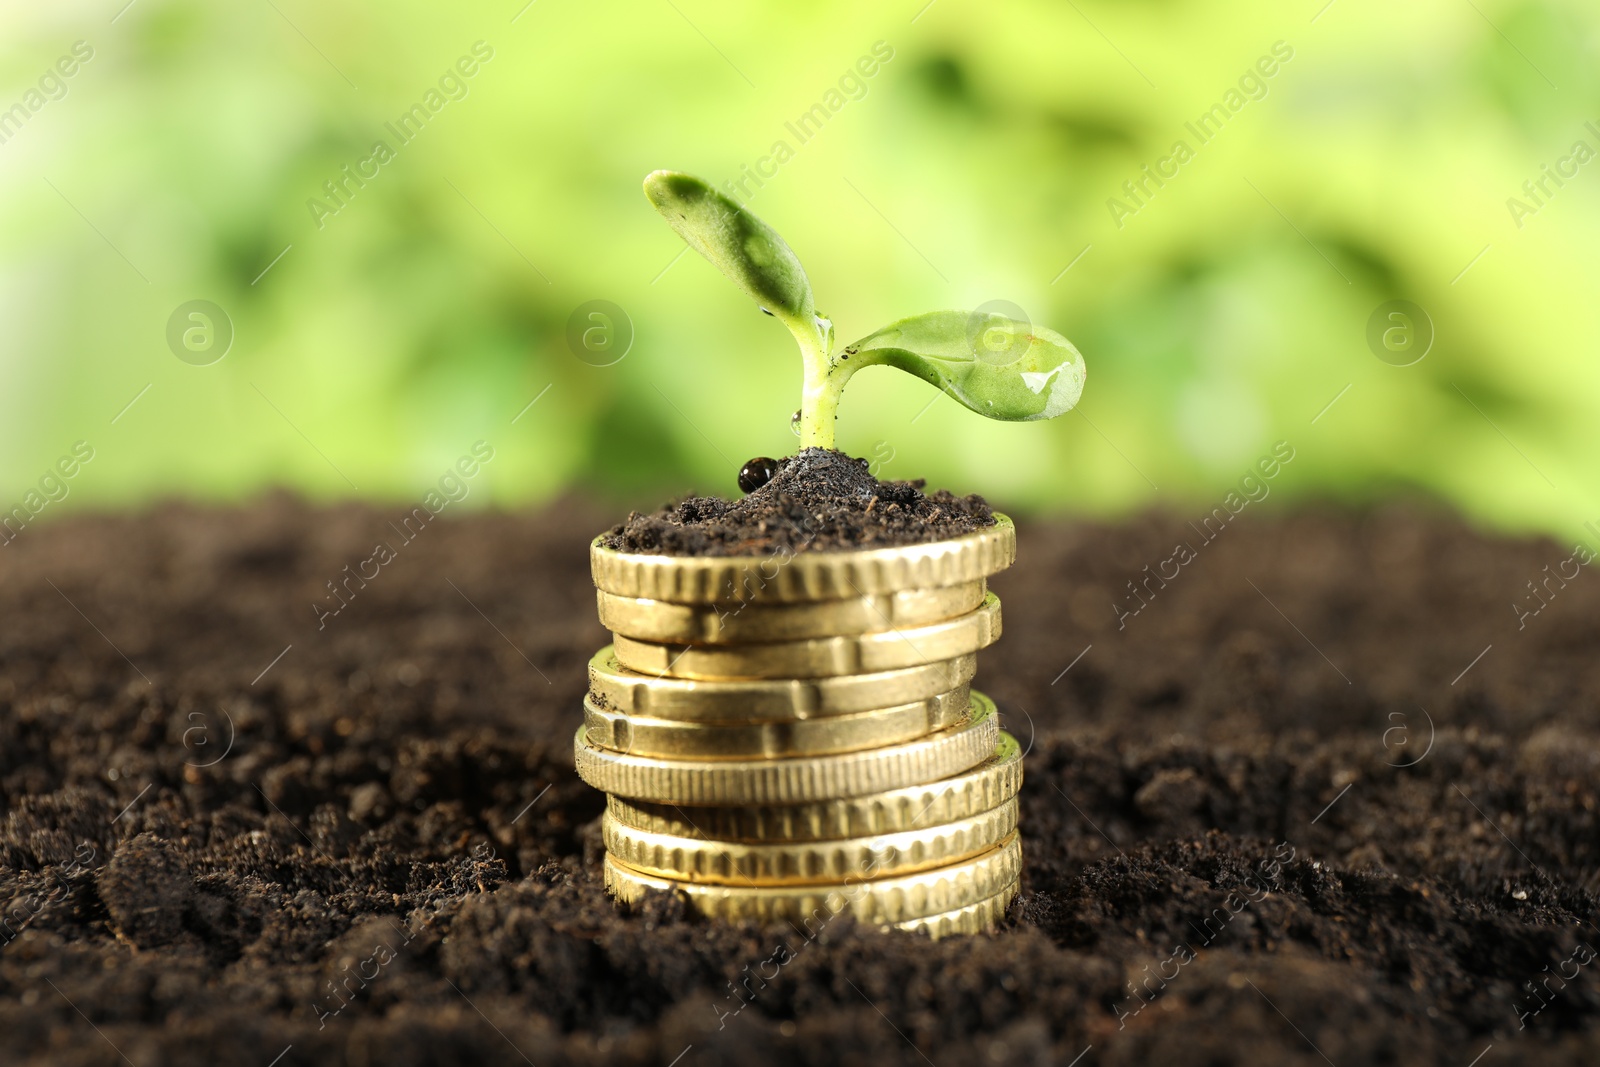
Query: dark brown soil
[[819, 500], [373, 850]]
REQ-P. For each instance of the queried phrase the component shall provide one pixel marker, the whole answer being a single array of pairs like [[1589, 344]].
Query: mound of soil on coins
[[818, 500], [1320, 798]]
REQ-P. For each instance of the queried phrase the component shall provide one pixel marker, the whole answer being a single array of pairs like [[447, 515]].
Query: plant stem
[[824, 384], [819, 403]]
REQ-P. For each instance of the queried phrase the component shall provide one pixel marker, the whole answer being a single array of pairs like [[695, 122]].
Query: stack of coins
[[788, 737]]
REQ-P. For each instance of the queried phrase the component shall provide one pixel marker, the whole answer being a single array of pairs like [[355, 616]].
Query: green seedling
[[990, 362]]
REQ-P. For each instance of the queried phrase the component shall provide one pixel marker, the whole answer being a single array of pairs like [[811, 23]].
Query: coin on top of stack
[[792, 737]]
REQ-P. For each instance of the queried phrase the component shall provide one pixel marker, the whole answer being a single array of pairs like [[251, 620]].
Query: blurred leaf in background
[[399, 210]]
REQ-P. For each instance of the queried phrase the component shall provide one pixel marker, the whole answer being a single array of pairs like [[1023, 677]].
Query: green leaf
[[991, 363], [742, 247]]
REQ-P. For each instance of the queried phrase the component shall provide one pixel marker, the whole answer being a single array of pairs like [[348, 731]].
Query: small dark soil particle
[[818, 500], [145, 890]]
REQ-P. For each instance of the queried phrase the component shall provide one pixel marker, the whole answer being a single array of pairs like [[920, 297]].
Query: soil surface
[[1328, 797], [818, 500]]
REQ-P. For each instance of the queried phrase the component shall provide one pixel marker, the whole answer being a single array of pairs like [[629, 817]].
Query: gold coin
[[743, 622], [782, 737], [899, 899], [632, 693], [972, 919], [916, 807], [795, 576], [819, 657], [686, 859], [795, 780]]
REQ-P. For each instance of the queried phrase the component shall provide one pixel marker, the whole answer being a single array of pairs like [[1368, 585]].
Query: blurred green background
[[180, 160]]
